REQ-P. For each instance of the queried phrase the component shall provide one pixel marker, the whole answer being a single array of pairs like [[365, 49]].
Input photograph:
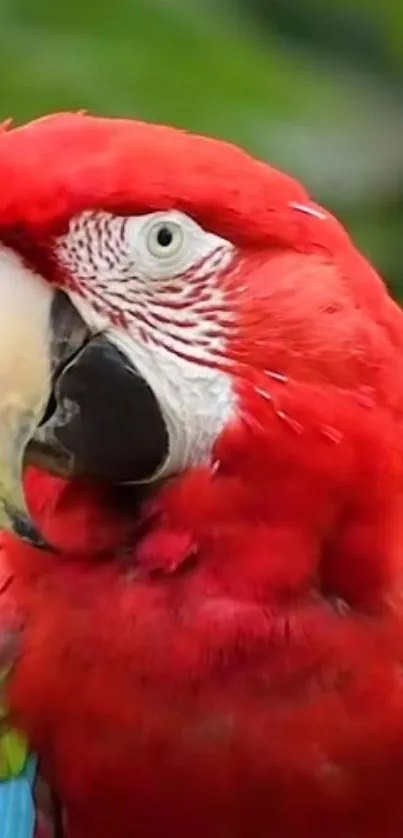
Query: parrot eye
[[167, 244], [165, 239], [103, 248]]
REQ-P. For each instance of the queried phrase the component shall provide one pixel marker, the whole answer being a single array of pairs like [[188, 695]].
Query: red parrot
[[201, 476]]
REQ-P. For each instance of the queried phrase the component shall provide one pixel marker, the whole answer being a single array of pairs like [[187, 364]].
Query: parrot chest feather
[[209, 714]]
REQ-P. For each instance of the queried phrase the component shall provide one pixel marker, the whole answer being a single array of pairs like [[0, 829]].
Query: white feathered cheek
[[152, 284]]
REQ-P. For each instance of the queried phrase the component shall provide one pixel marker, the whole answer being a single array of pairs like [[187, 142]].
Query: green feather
[[14, 751], [13, 754]]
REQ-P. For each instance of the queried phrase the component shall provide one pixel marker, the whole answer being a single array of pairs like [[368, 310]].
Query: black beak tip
[[26, 530]]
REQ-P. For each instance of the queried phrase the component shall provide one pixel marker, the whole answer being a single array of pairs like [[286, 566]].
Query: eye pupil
[[165, 239], [164, 236]]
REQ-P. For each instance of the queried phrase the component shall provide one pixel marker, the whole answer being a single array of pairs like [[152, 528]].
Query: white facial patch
[[152, 283]]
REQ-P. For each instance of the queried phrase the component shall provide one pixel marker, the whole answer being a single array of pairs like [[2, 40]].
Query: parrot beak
[[25, 304], [71, 403], [28, 354]]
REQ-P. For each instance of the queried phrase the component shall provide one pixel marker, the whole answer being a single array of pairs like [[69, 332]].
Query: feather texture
[[227, 659]]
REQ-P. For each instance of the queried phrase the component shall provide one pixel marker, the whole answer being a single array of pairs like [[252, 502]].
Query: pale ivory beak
[[71, 403], [25, 381]]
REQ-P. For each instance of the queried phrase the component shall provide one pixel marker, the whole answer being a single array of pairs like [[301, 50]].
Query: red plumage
[[235, 668]]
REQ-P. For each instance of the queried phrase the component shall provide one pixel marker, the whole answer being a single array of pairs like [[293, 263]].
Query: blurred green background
[[315, 86]]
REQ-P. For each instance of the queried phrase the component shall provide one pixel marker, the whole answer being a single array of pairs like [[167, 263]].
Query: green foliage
[[229, 69]]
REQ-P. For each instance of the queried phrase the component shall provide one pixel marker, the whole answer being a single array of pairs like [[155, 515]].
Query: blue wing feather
[[17, 807]]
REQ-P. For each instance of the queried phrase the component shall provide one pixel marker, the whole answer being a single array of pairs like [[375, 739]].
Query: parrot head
[[170, 306]]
